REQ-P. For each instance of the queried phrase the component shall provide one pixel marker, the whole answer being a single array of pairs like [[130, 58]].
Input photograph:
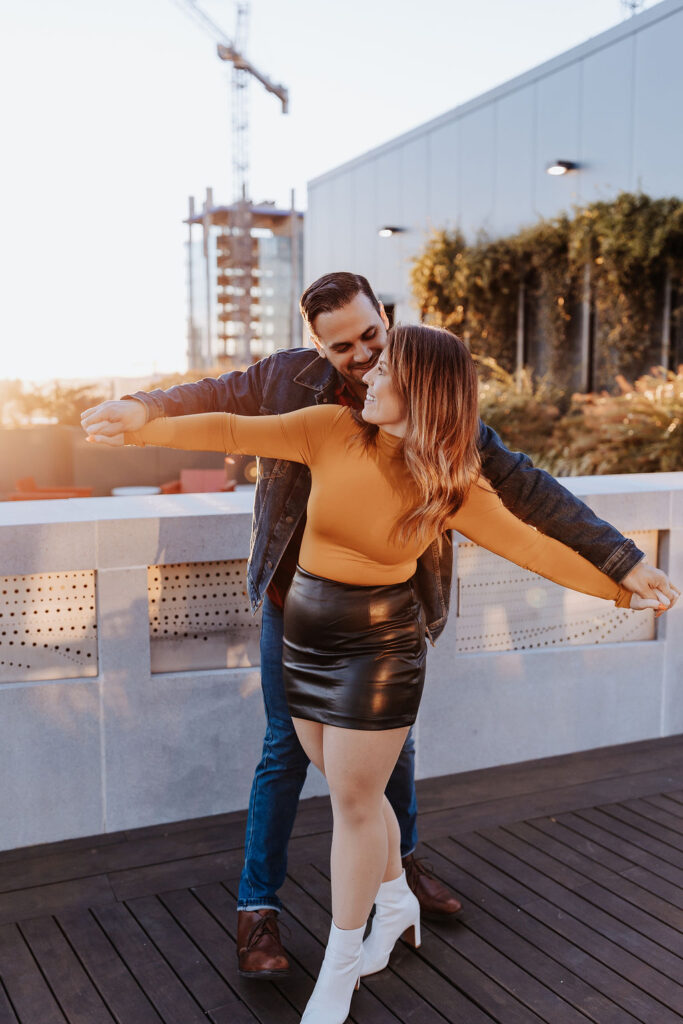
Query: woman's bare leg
[[366, 840], [394, 865], [358, 764]]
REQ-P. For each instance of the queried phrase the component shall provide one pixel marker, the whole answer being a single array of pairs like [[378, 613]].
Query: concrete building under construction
[[244, 274]]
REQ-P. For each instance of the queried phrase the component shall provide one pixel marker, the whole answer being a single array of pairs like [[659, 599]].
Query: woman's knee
[[356, 803]]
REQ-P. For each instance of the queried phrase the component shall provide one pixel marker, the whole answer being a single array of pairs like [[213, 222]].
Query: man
[[348, 327]]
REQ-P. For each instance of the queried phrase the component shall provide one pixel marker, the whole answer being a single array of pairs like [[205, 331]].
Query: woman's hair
[[435, 376]]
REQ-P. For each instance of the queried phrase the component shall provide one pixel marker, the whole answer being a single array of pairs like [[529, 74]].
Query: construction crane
[[631, 7], [237, 258]]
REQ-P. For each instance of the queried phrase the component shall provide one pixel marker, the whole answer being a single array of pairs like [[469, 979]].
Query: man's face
[[352, 338]]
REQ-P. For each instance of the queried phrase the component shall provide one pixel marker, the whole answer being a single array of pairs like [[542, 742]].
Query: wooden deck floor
[[570, 869]]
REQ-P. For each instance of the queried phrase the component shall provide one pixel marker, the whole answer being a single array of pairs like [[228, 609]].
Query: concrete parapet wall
[[129, 747]]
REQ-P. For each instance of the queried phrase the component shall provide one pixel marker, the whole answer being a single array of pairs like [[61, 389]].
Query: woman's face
[[383, 405]]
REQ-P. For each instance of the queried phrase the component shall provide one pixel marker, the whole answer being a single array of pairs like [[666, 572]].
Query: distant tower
[[242, 260], [237, 257]]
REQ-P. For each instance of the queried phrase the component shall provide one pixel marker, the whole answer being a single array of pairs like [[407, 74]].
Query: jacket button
[[324, 401], [289, 519], [269, 564]]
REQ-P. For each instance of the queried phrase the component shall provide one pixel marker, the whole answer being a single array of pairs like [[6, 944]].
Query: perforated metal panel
[[199, 617], [501, 607], [48, 627]]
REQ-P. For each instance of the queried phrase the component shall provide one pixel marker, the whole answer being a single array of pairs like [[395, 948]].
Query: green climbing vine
[[633, 249]]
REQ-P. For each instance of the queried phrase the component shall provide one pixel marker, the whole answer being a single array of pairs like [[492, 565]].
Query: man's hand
[[651, 583], [107, 422]]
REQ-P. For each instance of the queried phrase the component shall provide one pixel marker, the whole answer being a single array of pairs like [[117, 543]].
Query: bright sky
[[115, 112]]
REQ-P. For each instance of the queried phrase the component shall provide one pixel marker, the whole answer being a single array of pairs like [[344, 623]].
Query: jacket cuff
[[152, 405], [622, 560]]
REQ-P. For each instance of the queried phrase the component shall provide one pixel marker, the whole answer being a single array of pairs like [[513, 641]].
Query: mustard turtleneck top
[[357, 496]]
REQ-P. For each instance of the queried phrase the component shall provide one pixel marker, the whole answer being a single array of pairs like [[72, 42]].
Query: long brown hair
[[435, 376]]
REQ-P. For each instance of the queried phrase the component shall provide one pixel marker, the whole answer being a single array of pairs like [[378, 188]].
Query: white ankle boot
[[339, 976], [397, 913]]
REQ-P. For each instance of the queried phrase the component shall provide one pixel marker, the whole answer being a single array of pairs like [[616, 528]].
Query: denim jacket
[[294, 378]]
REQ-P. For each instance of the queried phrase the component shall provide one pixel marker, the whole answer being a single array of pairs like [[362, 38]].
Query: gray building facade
[[612, 106]]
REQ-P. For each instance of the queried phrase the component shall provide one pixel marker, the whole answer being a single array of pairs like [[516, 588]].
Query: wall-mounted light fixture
[[387, 232], [557, 167]]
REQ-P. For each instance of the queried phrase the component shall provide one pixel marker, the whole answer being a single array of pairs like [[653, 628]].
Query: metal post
[[585, 357], [206, 224], [666, 321], [519, 362], [191, 341], [294, 330]]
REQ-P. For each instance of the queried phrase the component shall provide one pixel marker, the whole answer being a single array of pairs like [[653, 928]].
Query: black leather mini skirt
[[354, 656]]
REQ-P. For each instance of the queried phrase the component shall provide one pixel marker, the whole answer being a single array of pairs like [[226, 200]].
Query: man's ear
[[383, 315], [321, 350]]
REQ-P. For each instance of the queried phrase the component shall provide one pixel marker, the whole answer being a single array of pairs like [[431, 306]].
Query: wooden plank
[[211, 919], [7, 1014], [20, 854], [552, 772], [237, 1013], [198, 975], [591, 932], [179, 874], [590, 986], [611, 856], [672, 822], [575, 871], [26, 988], [592, 841], [492, 813], [650, 828], [662, 801], [78, 998], [162, 987], [43, 900], [593, 820], [120, 856], [627, 947], [119, 989], [600, 865]]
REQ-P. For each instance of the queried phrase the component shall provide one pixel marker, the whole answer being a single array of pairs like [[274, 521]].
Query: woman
[[385, 485]]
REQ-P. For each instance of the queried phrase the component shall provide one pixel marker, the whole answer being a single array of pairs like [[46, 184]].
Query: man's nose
[[363, 353]]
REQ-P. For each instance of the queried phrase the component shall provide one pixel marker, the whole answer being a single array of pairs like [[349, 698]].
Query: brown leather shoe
[[259, 951], [437, 903]]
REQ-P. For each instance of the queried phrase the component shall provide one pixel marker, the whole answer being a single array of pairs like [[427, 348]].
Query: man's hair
[[332, 292], [435, 377]]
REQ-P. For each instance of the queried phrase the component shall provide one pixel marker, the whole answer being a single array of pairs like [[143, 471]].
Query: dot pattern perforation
[[501, 607], [48, 626], [200, 618]]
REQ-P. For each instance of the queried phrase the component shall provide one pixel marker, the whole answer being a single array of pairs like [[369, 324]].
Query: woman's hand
[[107, 422], [657, 601], [109, 440]]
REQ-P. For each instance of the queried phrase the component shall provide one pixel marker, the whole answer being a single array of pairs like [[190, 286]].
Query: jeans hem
[[254, 904]]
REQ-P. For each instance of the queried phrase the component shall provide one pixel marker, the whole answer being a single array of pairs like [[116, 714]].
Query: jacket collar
[[318, 375]]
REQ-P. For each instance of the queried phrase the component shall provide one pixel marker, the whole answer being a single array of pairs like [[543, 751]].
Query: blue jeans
[[279, 778]]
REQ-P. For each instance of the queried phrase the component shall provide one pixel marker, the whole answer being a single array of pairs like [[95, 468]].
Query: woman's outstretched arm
[[294, 436], [484, 519]]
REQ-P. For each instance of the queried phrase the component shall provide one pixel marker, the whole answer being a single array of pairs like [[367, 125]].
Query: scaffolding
[[247, 271]]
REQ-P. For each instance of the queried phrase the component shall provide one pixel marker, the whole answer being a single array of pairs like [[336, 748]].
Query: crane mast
[[237, 254]]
